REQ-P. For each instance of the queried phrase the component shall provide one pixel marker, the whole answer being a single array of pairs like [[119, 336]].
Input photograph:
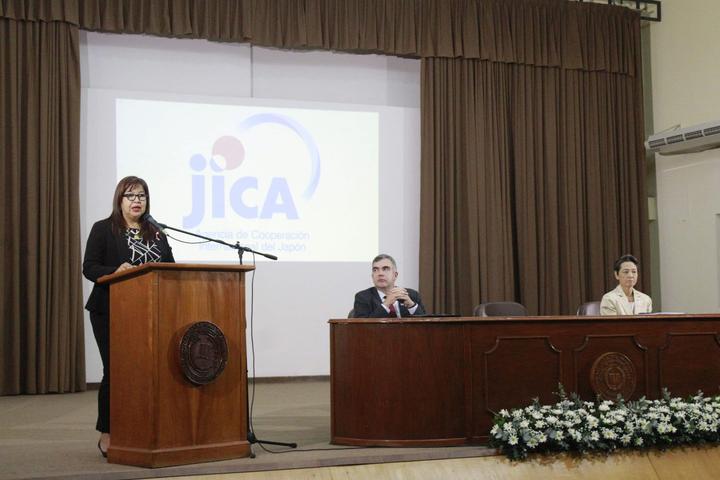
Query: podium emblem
[[613, 373], [203, 353]]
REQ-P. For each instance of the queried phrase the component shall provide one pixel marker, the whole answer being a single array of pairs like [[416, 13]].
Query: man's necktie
[[391, 309]]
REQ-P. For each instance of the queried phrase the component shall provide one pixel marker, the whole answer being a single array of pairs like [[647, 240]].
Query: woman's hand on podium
[[123, 267]]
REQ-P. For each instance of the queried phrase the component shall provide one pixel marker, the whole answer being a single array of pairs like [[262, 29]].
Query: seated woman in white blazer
[[625, 300]]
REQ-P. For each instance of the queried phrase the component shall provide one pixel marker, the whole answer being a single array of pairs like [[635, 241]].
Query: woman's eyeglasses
[[135, 196]]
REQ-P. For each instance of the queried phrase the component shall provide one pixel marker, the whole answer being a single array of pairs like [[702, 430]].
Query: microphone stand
[[240, 249], [252, 439]]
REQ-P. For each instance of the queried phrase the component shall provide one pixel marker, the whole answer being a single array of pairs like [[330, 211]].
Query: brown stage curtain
[[532, 32], [42, 321], [532, 183], [532, 165]]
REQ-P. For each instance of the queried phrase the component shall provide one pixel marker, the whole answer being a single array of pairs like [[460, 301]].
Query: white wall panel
[[293, 301]]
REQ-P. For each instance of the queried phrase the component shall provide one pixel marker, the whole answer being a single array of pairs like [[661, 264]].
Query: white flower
[[609, 434], [592, 421], [644, 425]]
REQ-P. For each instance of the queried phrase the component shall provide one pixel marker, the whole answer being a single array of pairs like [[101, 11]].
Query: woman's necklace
[[134, 231]]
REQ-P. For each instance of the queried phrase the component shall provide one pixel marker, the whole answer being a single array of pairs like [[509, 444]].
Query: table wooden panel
[[437, 381]]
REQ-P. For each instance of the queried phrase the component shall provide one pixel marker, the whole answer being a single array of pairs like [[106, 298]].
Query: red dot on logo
[[231, 149]]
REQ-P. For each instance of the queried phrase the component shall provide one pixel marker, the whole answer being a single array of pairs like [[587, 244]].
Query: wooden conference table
[[437, 381]]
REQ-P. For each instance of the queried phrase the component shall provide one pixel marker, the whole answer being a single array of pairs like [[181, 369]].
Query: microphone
[[148, 218]]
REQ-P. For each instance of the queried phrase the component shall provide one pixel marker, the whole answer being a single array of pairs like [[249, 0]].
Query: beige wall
[[685, 79]]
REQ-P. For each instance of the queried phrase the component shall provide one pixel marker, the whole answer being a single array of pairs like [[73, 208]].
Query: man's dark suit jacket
[[104, 253], [369, 305]]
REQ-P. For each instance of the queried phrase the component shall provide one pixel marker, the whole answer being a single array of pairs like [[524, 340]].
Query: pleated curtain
[[532, 177], [42, 323], [532, 183]]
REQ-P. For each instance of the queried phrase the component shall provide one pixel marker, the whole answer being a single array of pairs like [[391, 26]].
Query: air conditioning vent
[[693, 139], [657, 143]]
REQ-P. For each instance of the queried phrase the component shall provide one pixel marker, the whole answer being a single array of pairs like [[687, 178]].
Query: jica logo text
[[249, 197]]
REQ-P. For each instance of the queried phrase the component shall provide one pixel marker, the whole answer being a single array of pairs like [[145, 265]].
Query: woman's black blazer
[[104, 253]]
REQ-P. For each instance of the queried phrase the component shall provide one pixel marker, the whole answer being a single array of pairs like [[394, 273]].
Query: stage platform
[[52, 436]]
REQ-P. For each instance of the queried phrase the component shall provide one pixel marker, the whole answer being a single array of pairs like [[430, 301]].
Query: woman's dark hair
[[147, 231], [623, 259]]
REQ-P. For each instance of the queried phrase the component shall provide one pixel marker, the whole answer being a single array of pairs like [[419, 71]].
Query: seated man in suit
[[385, 299]]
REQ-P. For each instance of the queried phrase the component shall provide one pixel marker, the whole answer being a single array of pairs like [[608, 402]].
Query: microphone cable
[[252, 348]]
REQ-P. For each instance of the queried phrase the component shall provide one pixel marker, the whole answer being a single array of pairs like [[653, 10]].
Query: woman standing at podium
[[120, 242]]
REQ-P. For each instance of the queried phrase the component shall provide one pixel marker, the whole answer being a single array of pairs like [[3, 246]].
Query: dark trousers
[[101, 329]]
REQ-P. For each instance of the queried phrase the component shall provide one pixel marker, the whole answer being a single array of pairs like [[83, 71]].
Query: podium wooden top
[[154, 266]]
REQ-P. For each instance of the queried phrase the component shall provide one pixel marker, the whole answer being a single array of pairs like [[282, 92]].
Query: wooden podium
[[158, 417]]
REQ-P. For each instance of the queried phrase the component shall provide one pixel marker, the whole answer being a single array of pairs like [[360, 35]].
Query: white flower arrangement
[[605, 425]]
